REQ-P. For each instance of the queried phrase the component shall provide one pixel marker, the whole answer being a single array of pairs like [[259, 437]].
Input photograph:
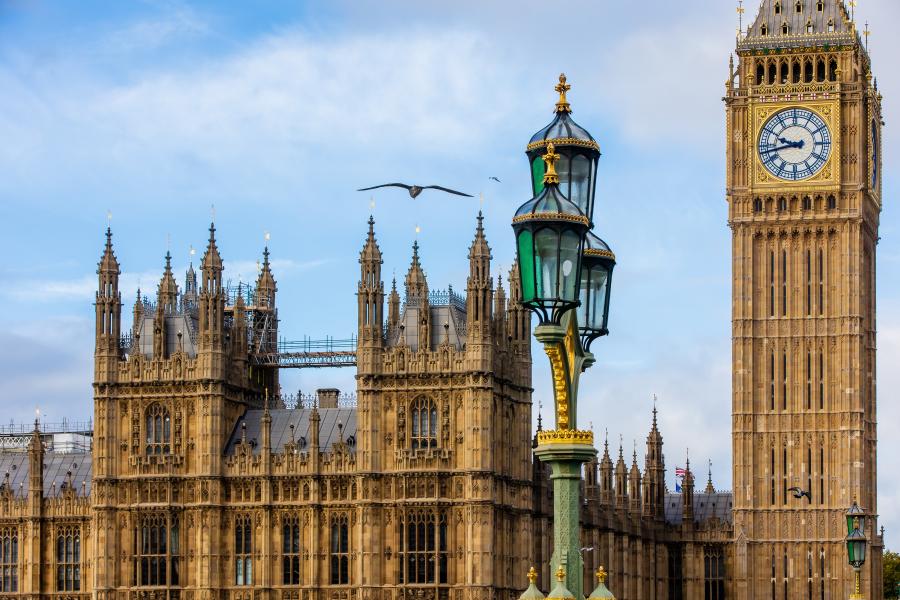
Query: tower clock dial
[[794, 144]]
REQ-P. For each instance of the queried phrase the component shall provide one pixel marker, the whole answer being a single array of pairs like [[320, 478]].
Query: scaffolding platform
[[309, 354]]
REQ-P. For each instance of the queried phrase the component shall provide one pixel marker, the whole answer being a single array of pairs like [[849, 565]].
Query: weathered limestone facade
[[804, 398], [201, 486]]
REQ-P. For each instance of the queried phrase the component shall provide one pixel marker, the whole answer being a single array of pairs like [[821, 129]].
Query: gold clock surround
[[828, 175]]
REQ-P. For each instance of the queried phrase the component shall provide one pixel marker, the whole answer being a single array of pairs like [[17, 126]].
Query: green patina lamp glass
[[596, 281], [550, 231], [856, 548]]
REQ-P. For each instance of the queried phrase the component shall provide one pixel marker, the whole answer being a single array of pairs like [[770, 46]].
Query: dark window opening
[[290, 551], [243, 551], [423, 547], [157, 550], [340, 550], [9, 560]]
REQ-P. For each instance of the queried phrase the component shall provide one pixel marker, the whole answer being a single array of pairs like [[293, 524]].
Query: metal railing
[[64, 426]]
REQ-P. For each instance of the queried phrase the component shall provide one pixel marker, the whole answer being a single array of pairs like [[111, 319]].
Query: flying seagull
[[495, 179], [415, 190], [798, 493]]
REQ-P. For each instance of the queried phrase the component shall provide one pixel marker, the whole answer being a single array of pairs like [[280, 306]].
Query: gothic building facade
[[200, 484]]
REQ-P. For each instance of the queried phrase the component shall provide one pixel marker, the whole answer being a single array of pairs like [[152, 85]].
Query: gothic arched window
[[423, 547], [157, 546], [714, 573], [340, 550], [243, 550], [9, 559], [290, 551], [158, 430], [424, 424], [68, 559]]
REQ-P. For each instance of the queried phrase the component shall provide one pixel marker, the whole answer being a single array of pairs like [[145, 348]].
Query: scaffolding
[[308, 353]]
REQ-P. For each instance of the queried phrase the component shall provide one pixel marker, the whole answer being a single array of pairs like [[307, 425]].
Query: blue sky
[[275, 112]]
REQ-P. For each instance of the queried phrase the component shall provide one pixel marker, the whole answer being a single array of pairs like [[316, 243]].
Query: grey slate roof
[[282, 418], [706, 506], [56, 466], [832, 10], [450, 314]]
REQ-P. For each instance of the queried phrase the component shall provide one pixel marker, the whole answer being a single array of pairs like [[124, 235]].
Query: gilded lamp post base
[[565, 450]]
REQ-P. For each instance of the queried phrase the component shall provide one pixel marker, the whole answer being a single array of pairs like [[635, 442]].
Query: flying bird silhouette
[[798, 493], [495, 179], [415, 190]]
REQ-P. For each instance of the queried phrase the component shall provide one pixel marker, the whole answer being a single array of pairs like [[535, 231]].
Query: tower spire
[[108, 311], [370, 294], [479, 292]]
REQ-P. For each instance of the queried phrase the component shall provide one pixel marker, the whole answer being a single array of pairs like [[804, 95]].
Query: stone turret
[[621, 481], [417, 296], [654, 474], [108, 309], [606, 476], [479, 288], [166, 304], [687, 496], [634, 485], [370, 295], [212, 297]]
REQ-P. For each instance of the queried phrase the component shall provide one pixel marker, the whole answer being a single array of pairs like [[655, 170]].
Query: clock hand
[[777, 148]]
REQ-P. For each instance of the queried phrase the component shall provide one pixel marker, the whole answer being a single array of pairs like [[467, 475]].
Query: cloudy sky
[[275, 112]]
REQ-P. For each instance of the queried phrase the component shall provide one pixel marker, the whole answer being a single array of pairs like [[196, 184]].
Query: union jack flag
[[679, 472]]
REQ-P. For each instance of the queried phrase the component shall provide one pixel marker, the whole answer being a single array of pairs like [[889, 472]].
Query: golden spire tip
[[532, 576], [562, 87], [601, 574], [550, 158]]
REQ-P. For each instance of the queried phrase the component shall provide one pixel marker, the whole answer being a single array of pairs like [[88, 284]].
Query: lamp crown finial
[[550, 159], [560, 574], [601, 574], [562, 87], [532, 576]]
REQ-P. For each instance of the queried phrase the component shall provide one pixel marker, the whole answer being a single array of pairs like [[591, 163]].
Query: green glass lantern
[[550, 232], [596, 281], [579, 155], [856, 548], [856, 518]]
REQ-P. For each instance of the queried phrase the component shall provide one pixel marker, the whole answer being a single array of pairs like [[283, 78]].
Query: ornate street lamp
[[563, 266], [856, 543]]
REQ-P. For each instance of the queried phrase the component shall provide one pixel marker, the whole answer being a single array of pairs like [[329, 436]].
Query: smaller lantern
[[550, 232], [856, 548], [578, 150], [596, 279]]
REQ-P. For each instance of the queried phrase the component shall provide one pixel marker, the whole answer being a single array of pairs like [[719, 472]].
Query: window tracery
[[424, 425], [68, 559], [157, 430]]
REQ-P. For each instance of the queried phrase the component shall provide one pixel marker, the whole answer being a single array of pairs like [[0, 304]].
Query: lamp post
[[563, 267], [856, 543]]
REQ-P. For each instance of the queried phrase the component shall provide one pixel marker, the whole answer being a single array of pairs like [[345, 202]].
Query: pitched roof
[[706, 507], [57, 466], [807, 26], [283, 418]]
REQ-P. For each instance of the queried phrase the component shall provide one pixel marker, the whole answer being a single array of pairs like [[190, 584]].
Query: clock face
[[794, 144]]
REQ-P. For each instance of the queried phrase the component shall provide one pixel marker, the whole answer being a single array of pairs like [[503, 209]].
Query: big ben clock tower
[[804, 196]]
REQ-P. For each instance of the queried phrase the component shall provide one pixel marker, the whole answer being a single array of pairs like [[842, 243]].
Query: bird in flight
[[798, 493], [495, 179], [415, 190]]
